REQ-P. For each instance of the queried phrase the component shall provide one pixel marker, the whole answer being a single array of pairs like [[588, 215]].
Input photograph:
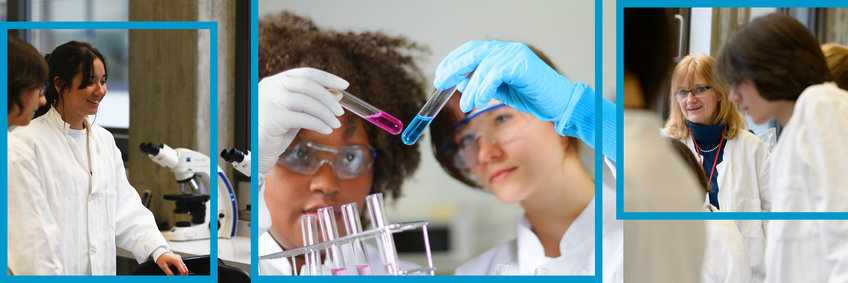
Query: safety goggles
[[497, 124], [348, 162], [697, 92]]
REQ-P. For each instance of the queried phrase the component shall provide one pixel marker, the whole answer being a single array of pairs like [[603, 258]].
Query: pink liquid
[[339, 271], [386, 122], [364, 269], [390, 270]]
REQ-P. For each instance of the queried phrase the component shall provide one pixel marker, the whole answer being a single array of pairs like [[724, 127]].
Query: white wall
[[564, 30]]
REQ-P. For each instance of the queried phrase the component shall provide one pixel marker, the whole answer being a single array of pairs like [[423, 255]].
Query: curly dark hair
[[379, 68]]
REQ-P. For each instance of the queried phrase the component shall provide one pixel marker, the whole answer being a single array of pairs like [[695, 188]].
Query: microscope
[[239, 160], [191, 170]]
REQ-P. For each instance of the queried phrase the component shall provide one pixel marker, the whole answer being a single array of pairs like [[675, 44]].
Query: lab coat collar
[[54, 119], [580, 233]]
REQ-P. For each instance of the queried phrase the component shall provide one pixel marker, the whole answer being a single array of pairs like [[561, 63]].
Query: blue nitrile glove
[[510, 72]]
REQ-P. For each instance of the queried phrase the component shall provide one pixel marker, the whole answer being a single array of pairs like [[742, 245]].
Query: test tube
[[352, 226], [309, 230], [425, 116], [368, 112], [385, 242], [327, 220]]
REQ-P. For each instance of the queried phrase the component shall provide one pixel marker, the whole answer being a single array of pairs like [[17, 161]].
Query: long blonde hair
[[727, 113]]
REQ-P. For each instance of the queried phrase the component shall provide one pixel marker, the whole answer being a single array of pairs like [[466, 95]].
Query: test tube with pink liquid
[[368, 112], [350, 216], [327, 221]]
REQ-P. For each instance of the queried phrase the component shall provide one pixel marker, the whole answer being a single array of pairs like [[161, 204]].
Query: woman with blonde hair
[[734, 160]]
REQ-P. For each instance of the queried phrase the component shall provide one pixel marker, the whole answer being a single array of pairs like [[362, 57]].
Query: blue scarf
[[707, 138]]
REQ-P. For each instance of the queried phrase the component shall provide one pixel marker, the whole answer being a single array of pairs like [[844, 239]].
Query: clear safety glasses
[[348, 162], [697, 92], [497, 124]]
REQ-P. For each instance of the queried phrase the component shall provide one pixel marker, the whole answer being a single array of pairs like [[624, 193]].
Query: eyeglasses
[[697, 92], [348, 162], [498, 124]]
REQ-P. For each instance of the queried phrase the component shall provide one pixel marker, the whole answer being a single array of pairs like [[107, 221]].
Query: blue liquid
[[415, 129]]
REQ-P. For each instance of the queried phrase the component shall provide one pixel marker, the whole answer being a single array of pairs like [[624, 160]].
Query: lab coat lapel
[[63, 127]]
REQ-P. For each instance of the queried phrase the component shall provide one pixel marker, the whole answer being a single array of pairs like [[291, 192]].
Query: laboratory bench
[[234, 252]]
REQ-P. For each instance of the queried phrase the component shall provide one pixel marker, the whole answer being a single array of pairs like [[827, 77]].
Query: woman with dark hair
[[490, 148], [777, 70], [299, 131], [27, 74], [89, 207]]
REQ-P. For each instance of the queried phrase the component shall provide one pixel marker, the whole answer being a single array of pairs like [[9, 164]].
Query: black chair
[[198, 265]]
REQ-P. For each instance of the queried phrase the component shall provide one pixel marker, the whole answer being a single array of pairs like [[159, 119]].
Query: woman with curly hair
[[299, 130]]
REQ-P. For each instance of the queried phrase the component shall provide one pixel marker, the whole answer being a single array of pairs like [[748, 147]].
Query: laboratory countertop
[[234, 252]]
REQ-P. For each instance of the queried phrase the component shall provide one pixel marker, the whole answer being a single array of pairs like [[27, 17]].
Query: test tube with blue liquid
[[426, 115], [327, 220], [350, 216], [368, 112]]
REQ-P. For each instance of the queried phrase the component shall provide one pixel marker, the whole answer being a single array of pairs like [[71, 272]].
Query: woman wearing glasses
[[520, 159], [311, 159], [734, 161]]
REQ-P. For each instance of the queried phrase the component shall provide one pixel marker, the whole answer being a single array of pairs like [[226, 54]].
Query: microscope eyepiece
[[232, 155], [149, 148]]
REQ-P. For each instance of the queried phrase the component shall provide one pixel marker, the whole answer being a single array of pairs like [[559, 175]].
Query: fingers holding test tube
[[292, 100], [509, 72], [368, 112]]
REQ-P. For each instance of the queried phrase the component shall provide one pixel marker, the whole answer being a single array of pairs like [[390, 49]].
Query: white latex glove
[[292, 100]]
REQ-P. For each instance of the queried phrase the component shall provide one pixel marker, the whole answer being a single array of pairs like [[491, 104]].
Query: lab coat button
[[92, 251]]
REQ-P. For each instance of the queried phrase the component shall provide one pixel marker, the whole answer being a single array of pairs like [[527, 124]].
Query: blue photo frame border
[[597, 278], [624, 215], [213, 137]]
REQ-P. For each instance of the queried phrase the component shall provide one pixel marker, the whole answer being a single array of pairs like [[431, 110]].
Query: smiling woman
[[73, 222], [735, 161]]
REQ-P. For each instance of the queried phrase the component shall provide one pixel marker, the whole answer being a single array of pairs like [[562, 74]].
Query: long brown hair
[[778, 54]]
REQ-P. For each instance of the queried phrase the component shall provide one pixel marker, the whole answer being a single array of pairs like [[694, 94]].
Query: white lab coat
[[282, 266], [743, 176], [725, 256], [43, 241], [656, 180], [809, 168], [89, 211], [525, 254]]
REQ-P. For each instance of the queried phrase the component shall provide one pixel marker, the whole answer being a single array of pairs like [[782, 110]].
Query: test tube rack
[[368, 234]]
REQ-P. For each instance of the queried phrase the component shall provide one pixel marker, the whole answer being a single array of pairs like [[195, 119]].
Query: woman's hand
[[292, 100], [509, 72], [171, 259]]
